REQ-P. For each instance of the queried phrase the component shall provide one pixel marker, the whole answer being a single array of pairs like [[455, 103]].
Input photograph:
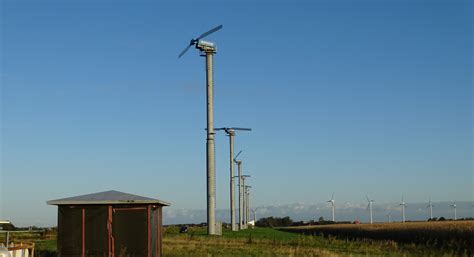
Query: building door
[[130, 232]]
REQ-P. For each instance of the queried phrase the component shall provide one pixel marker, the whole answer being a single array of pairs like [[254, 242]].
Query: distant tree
[[274, 222], [321, 219], [441, 219]]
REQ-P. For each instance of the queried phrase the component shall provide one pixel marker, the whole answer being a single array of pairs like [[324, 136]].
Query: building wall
[[121, 230]]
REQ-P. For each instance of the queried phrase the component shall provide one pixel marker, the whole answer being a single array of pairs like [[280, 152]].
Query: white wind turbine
[[454, 206], [430, 205], [403, 204], [389, 215], [369, 207], [332, 205]]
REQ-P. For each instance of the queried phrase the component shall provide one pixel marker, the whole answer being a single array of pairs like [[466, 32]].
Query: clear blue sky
[[372, 97]]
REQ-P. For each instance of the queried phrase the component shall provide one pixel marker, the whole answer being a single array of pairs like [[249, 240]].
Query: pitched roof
[[107, 197]]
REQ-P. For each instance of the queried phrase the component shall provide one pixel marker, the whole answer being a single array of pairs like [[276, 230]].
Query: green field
[[273, 242], [268, 242]]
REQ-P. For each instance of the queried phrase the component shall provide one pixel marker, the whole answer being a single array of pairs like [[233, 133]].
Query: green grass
[[46, 245], [256, 233], [271, 242]]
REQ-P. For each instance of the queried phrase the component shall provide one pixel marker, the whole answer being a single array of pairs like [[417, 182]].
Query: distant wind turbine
[[369, 207], [332, 205], [389, 215], [454, 206], [403, 205], [430, 205]]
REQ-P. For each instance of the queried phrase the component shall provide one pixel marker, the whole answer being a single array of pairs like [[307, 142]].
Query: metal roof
[[107, 197]]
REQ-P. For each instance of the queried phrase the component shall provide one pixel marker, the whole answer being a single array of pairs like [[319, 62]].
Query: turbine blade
[[245, 129], [237, 155], [184, 51], [332, 197], [205, 34]]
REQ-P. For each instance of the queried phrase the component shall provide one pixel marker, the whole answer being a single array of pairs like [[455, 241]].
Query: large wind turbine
[[208, 49], [403, 205], [241, 199], [369, 207], [454, 206], [244, 202], [430, 205], [231, 133], [332, 206], [247, 205]]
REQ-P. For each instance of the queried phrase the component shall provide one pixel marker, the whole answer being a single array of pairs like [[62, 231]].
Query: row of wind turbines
[[402, 205], [207, 49]]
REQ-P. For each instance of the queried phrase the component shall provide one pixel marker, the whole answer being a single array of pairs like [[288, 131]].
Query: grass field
[[273, 242]]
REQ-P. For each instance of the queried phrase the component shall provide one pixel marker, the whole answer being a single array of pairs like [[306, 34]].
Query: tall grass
[[454, 236]]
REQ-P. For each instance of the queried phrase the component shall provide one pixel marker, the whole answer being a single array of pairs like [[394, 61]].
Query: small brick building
[[109, 224]]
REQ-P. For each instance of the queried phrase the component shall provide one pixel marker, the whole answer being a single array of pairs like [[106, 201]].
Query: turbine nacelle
[[201, 44]]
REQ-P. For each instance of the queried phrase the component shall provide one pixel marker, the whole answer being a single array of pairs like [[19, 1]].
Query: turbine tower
[[244, 201], [247, 205], [255, 214], [430, 205], [369, 207], [241, 200], [231, 133], [208, 49], [332, 206], [403, 205], [454, 207]]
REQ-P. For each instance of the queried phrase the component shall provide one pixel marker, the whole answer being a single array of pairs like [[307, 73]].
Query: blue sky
[[355, 97]]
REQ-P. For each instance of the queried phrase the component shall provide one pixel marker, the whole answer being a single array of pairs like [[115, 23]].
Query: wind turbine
[[241, 191], [209, 49], [247, 205], [332, 205], [403, 205], [430, 205], [454, 206], [244, 201], [255, 214], [231, 133], [389, 215], [369, 207]]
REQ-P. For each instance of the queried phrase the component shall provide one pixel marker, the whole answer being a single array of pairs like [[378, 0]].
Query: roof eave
[[59, 202]]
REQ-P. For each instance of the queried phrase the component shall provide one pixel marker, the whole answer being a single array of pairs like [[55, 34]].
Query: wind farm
[[207, 128]]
